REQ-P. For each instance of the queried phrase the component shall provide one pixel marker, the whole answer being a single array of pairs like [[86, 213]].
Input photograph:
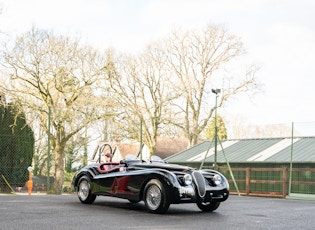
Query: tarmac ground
[[66, 212]]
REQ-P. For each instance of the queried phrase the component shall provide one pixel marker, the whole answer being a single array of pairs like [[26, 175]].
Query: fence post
[[247, 181], [284, 182]]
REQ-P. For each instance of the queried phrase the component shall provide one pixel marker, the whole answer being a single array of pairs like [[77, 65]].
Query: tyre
[[208, 206], [84, 191], [156, 197]]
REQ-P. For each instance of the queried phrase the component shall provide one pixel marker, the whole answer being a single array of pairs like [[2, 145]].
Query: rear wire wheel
[[156, 197], [84, 191]]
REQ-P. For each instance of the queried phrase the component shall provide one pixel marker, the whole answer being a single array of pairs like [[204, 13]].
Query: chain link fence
[[9, 183], [302, 167], [16, 149], [293, 177], [14, 161], [300, 175]]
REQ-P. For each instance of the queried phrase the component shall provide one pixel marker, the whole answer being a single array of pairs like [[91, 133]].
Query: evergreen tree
[[16, 147], [210, 131]]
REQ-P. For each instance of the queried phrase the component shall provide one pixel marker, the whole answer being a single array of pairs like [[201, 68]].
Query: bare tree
[[48, 71], [171, 82], [142, 91], [195, 57], [240, 128], [270, 130]]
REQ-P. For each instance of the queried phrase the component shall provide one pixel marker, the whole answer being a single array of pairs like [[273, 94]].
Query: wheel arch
[[156, 197], [81, 174], [162, 176]]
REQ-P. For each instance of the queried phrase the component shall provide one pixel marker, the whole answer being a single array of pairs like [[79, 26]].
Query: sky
[[278, 35]]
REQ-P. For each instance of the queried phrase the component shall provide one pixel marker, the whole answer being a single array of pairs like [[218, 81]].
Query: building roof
[[250, 150], [164, 147]]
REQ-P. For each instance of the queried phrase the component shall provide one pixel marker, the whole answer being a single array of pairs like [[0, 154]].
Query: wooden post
[[247, 181], [284, 182]]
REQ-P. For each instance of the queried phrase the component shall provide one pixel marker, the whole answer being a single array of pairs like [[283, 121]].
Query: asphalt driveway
[[66, 212]]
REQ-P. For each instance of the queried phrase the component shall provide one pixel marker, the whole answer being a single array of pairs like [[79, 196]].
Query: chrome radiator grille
[[200, 183]]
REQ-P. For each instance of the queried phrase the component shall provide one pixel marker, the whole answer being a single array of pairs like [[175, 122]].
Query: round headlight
[[217, 179], [187, 179]]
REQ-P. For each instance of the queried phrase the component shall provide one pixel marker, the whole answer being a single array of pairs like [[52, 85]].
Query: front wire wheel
[[84, 191], [156, 197], [208, 206]]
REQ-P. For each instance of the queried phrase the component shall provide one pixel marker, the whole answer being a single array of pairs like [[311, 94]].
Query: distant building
[[165, 147], [261, 167], [275, 151]]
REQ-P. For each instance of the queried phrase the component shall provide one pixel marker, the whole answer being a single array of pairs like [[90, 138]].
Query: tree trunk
[[59, 169], [193, 140]]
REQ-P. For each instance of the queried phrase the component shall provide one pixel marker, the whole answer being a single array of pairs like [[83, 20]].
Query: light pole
[[216, 92], [48, 151]]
